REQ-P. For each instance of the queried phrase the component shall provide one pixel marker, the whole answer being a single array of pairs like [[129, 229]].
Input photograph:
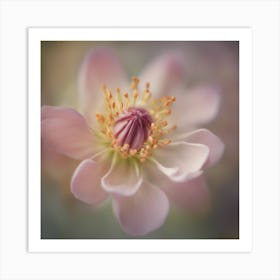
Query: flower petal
[[143, 212], [207, 138], [181, 161], [86, 182], [66, 131], [192, 196], [100, 66], [49, 112], [198, 106], [165, 74], [123, 178]]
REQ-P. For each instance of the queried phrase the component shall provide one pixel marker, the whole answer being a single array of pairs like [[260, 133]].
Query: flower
[[138, 144]]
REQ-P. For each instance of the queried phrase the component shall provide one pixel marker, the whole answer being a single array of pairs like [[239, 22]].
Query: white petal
[[100, 66], [67, 132], [86, 182], [181, 161], [213, 142], [123, 178], [143, 212], [198, 106], [165, 74]]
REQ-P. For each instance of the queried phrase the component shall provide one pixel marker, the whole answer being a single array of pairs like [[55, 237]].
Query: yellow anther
[[148, 148], [153, 126], [164, 123], [168, 103], [135, 94], [134, 83], [109, 93], [135, 79], [119, 96], [133, 152], [125, 95], [124, 154], [147, 86], [164, 142], [167, 112], [150, 139], [113, 105], [157, 117], [111, 117], [116, 145], [100, 118], [125, 147]]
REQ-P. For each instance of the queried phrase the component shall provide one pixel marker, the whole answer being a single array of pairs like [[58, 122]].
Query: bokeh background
[[214, 215]]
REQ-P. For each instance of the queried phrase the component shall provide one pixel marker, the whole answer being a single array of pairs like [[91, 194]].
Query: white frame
[[243, 35], [262, 16]]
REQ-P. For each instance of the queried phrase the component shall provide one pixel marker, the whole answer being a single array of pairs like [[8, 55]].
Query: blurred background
[[213, 214]]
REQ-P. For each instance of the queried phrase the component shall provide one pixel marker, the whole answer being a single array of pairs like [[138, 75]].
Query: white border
[[243, 35], [262, 262]]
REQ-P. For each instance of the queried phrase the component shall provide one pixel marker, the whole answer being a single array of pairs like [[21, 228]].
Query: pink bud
[[133, 127]]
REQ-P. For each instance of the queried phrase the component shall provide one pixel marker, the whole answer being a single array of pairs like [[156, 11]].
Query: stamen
[[146, 95], [113, 105], [134, 126], [164, 142], [133, 152], [168, 112], [135, 95], [134, 83], [100, 118]]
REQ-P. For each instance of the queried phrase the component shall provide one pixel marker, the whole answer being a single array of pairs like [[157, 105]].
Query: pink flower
[[138, 144]]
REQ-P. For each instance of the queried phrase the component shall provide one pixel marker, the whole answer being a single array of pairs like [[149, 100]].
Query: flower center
[[132, 127], [134, 124]]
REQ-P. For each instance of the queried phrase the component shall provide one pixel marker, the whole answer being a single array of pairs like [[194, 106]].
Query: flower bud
[[132, 127]]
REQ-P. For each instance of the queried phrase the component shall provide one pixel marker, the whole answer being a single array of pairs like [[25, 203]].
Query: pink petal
[[123, 178], [67, 132], [192, 196], [101, 66], [49, 112], [207, 138], [143, 212], [181, 161], [86, 182], [198, 106], [165, 74]]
